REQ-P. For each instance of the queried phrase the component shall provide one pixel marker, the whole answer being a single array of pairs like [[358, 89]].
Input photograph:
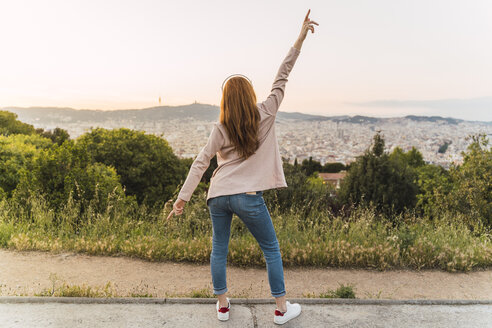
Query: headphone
[[233, 76]]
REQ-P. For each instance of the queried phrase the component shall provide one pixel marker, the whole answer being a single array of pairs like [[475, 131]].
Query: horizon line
[[199, 103]]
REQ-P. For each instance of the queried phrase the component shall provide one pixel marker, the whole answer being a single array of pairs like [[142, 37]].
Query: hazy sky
[[374, 57]]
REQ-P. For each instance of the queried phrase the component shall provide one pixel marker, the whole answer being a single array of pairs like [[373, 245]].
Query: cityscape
[[328, 141], [325, 139]]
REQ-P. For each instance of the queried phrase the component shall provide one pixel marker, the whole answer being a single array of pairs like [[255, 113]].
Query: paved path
[[149, 313]]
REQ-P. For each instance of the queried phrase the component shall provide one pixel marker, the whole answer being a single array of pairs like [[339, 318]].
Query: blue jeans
[[251, 209]]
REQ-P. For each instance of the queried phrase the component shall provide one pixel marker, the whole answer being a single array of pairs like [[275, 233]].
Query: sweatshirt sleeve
[[201, 163], [272, 103]]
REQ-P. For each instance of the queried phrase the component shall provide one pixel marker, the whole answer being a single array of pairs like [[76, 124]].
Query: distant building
[[334, 178]]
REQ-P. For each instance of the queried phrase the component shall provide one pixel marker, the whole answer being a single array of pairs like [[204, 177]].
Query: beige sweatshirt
[[262, 170]]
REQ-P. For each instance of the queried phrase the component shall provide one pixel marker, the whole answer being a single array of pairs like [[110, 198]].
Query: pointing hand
[[306, 26], [178, 207]]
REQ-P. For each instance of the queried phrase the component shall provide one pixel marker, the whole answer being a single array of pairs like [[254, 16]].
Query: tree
[[310, 166], [472, 182], [333, 167], [65, 171], [57, 136], [388, 182], [17, 152], [9, 124], [148, 168], [434, 183], [442, 149], [412, 158]]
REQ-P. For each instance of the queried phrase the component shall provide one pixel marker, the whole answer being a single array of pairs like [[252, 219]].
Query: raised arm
[[273, 101]]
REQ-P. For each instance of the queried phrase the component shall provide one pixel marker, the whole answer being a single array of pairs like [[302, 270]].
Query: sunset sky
[[373, 57]]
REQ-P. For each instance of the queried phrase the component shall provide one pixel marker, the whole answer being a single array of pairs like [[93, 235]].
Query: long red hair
[[240, 115]]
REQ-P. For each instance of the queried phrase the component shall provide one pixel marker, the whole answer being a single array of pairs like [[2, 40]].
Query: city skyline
[[385, 59], [325, 140]]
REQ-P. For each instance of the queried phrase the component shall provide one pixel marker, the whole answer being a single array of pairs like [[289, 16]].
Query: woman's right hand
[[306, 26], [178, 207]]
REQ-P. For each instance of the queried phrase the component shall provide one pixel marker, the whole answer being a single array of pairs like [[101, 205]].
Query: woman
[[248, 162]]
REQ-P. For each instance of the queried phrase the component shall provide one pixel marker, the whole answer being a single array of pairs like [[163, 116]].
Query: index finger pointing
[[170, 214], [307, 15]]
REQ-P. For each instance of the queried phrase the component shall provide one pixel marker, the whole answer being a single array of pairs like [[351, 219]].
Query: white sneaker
[[293, 310], [223, 312]]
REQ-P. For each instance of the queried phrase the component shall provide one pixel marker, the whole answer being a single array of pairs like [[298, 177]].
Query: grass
[[362, 240], [72, 290], [62, 289], [66, 290], [202, 293], [341, 292]]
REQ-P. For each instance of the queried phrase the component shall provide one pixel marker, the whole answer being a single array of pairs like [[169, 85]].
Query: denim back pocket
[[251, 204]]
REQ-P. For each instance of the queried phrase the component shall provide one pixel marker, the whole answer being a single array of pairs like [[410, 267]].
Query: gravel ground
[[27, 273]]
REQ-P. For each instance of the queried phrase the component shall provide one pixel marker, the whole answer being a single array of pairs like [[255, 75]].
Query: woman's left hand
[[178, 207]]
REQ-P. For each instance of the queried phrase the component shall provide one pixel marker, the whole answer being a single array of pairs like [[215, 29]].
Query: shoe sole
[[281, 323], [223, 319]]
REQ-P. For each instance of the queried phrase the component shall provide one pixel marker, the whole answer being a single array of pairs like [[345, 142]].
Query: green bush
[[17, 153], [147, 165]]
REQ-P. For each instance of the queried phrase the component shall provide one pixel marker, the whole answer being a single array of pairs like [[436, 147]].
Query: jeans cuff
[[220, 291], [279, 294]]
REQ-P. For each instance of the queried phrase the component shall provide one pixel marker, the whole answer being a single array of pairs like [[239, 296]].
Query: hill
[[196, 111]]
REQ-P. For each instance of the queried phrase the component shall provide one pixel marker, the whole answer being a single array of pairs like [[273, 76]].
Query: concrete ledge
[[150, 300]]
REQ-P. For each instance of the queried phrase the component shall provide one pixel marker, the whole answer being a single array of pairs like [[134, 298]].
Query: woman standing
[[248, 162]]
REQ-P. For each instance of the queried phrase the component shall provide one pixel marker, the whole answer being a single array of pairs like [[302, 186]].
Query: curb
[[246, 301]]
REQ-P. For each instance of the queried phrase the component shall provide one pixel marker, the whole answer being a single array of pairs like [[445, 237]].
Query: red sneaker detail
[[223, 309], [277, 312]]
